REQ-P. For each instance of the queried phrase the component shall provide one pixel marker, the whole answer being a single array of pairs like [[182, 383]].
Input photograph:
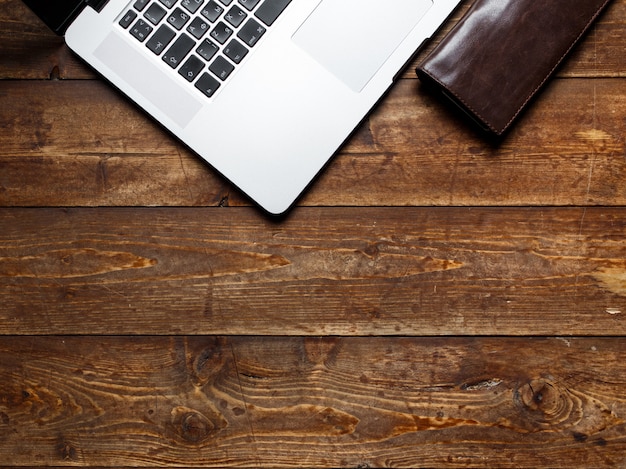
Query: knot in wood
[[545, 403], [66, 451], [371, 250], [539, 395], [195, 427], [191, 425], [208, 363]]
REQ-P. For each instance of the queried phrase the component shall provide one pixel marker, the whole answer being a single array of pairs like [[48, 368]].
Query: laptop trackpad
[[353, 39]]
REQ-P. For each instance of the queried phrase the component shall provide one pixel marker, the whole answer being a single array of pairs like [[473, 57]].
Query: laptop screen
[[57, 14]]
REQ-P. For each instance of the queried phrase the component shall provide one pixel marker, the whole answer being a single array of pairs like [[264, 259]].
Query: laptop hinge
[[59, 14]]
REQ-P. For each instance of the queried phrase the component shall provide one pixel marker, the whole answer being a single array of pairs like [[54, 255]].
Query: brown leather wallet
[[501, 52]]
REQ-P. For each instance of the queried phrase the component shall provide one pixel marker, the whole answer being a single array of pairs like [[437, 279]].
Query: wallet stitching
[[533, 92], [558, 63]]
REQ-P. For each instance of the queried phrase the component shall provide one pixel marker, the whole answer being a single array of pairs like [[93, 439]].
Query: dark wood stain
[[433, 300]]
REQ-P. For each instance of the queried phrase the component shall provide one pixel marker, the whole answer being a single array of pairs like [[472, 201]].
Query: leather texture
[[501, 52]]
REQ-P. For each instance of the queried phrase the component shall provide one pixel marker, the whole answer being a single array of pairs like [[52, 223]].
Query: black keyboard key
[[235, 51], [221, 32], [168, 3], [178, 18], [235, 16], [141, 30], [226, 2], [178, 51], [127, 19], [192, 5], [191, 68], [270, 10], [160, 39], [207, 84], [207, 50], [222, 68], [212, 11], [155, 13], [198, 27], [249, 4], [251, 32], [141, 4]]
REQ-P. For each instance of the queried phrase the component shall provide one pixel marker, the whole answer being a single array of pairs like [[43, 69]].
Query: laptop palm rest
[[149, 80], [352, 39]]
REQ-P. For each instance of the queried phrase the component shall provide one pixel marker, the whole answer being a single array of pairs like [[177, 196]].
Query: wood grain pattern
[[321, 271], [69, 150], [435, 300], [28, 50], [273, 402]]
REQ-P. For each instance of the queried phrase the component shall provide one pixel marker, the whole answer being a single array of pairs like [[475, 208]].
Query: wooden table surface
[[434, 300]]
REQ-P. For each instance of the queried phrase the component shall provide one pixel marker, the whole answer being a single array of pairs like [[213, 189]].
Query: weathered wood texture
[[83, 144], [68, 150], [472, 296], [336, 402], [342, 271]]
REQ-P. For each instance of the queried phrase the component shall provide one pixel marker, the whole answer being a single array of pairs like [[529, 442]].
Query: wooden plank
[[68, 150], [108, 316], [63, 145], [333, 402], [29, 50], [344, 271], [567, 149]]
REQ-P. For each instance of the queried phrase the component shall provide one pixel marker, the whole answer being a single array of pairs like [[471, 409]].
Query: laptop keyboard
[[204, 40]]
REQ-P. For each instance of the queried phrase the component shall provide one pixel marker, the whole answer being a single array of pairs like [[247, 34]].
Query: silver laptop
[[265, 91]]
